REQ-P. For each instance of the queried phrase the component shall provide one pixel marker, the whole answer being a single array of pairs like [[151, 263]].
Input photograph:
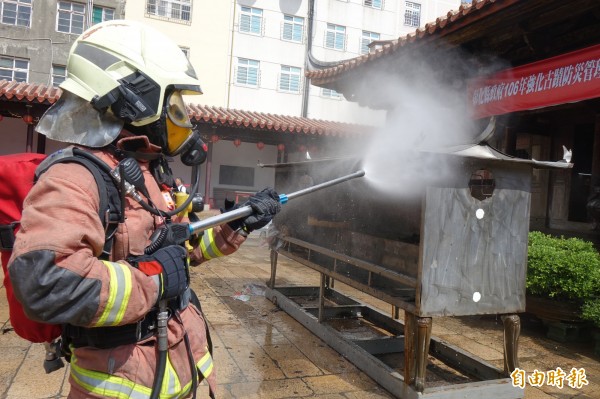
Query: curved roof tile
[[452, 18], [270, 122], [30, 92], [33, 92]]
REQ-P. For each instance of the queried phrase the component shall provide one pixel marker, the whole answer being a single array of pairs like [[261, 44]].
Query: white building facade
[[272, 42], [252, 54]]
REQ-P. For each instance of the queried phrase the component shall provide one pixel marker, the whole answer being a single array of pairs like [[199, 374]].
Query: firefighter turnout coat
[[59, 279]]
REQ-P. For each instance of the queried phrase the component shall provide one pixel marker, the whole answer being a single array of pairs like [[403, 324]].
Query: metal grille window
[[101, 14], [330, 93], [412, 14], [373, 4], [289, 80], [59, 74], [251, 20], [171, 9], [293, 28], [247, 72], [367, 38], [14, 69], [335, 37], [70, 18], [16, 12]]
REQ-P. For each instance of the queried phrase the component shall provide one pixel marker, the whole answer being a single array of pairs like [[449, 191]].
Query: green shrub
[[591, 311], [564, 269]]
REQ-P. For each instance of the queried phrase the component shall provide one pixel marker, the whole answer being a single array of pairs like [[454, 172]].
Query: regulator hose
[[161, 365], [162, 347]]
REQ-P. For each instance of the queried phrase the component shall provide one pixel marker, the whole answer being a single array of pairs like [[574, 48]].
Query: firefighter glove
[[169, 267], [265, 205]]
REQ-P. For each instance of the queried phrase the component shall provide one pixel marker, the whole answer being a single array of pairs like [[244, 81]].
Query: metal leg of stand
[[512, 330], [409, 347], [322, 297], [423, 338], [417, 335], [271, 282]]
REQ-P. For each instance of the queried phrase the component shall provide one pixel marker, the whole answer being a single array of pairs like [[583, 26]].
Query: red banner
[[563, 79]]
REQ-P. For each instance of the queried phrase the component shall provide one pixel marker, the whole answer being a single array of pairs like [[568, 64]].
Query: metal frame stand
[[413, 338]]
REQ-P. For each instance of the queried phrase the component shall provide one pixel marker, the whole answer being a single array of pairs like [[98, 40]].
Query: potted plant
[[563, 278]]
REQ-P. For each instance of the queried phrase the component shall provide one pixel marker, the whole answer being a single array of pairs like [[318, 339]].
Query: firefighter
[[122, 99]]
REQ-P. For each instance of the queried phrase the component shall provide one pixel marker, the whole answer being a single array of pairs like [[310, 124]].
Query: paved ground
[[261, 352]]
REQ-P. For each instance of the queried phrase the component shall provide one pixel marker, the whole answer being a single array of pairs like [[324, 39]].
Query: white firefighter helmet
[[128, 73]]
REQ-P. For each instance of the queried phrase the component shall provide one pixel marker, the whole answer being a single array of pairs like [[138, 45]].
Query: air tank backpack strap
[[111, 208], [110, 213]]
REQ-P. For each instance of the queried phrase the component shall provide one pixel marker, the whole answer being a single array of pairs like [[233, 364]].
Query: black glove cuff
[[175, 275]]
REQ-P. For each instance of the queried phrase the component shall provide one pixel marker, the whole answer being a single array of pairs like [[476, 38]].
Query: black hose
[[156, 242], [161, 365], [162, 347], [193, 368], [144, 204]]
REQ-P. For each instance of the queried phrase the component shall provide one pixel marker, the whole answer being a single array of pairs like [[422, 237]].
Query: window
[[293, 28], [373, 4], [236, 175], [251, 20], [180, 10], [330, 93], [59, 74], [289, 80], [186, 51], [16, 12], [14, 69], [70, 17], [412, 14], [101, 14], [247, 72], [335, 37], [367, 38]]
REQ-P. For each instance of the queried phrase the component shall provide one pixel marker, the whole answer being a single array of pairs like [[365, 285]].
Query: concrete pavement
[[261, 352]]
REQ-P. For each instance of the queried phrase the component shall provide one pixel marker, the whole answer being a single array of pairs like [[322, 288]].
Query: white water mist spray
[[427, 115]]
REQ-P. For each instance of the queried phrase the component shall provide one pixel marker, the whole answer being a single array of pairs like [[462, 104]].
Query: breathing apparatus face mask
[[173, 132], [177, 123]]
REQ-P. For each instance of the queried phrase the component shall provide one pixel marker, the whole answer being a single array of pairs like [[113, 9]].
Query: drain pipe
[[230, 77], [311, 63], [306, 88]]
